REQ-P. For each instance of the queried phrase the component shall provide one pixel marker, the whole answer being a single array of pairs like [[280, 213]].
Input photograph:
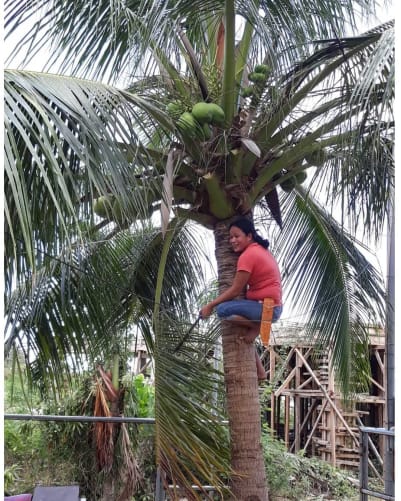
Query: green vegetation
[[56, 453], [28, 453], [293, 476]]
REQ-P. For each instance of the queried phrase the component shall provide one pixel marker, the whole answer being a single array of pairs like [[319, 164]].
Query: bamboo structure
[[306, 409]]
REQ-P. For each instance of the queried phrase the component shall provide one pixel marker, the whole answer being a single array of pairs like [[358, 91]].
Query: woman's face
[[239, 240]]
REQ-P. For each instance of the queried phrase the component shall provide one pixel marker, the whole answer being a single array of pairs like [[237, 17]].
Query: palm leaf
[[78, 298], [61, 145], [124, 32], [331, 282], [317, 110], [197, 450]]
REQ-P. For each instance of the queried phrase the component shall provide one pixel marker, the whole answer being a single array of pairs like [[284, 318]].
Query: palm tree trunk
[[242, 394]]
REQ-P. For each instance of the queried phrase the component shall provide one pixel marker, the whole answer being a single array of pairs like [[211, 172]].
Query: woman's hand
[[206, 311], [238, 285]]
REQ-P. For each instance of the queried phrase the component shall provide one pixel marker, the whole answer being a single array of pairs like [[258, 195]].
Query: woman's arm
[[240, 280]]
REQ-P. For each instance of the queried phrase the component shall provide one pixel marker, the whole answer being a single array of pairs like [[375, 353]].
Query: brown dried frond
[[112, 393], [103, 431], [130, 474]]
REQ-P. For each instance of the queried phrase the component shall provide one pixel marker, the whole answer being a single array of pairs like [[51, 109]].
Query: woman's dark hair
[[247, 227]]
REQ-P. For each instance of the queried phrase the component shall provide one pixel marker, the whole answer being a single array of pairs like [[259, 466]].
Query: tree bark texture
[[242, 395]]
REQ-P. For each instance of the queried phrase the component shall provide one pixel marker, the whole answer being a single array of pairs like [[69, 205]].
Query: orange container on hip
[[266, 323]]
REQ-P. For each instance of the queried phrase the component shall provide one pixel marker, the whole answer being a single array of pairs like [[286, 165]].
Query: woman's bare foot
[[260, 370]]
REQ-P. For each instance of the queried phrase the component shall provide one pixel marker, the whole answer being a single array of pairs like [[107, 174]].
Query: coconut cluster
[[258, 78], [197, 123], [108, 207]]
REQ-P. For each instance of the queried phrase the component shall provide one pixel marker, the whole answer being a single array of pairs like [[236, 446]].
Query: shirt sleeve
[[245, 263]]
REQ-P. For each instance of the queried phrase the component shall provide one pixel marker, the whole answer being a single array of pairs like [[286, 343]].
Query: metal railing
[[83, 419], [364, 490], [160, 493]]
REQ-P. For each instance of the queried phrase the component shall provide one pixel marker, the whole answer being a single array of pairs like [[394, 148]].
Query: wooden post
[[271, 379], [316, 424], [363, 466], [277, 415], [287, 420], [333, 417], [297, 404]]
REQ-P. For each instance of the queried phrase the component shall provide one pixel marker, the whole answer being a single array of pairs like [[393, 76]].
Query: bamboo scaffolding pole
[[333, 405], [305, 421], [304, 383], [377, 384], [379, 360], [315, 425], [284, 384], [327, 396]]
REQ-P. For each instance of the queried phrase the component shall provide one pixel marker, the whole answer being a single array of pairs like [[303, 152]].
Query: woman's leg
[[253, 327], [260, 370], [244, 313]]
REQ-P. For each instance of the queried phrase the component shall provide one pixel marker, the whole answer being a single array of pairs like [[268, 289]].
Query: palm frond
[[104, 432], [317, 110], [196, 451], [79, 300], [108, 48], [63, 150], [330, 280], [125, 32], [285, 32]]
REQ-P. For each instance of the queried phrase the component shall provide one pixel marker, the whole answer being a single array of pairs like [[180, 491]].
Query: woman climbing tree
[[258, 272]]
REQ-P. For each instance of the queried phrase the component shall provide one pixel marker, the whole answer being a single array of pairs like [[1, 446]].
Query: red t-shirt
[[264, 280]]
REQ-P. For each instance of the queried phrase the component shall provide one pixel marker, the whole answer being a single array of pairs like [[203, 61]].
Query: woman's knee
[[222, 310], [229, 308]]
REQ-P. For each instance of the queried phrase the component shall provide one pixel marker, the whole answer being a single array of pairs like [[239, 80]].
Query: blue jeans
[[245, 308]]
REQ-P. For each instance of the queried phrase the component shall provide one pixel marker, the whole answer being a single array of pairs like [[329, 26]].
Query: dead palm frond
[[104, 432]]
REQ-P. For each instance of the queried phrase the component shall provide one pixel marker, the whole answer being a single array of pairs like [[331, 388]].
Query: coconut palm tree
[[211, 122]]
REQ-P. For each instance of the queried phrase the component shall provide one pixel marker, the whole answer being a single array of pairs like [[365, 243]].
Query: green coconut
[[247, 91], [188, 125], [174, 109], [202, 112], [218, 115], [103, 206], [301, 177], [257, 77], [261, 68], [207, 132], [118, 213], [316, 157]]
